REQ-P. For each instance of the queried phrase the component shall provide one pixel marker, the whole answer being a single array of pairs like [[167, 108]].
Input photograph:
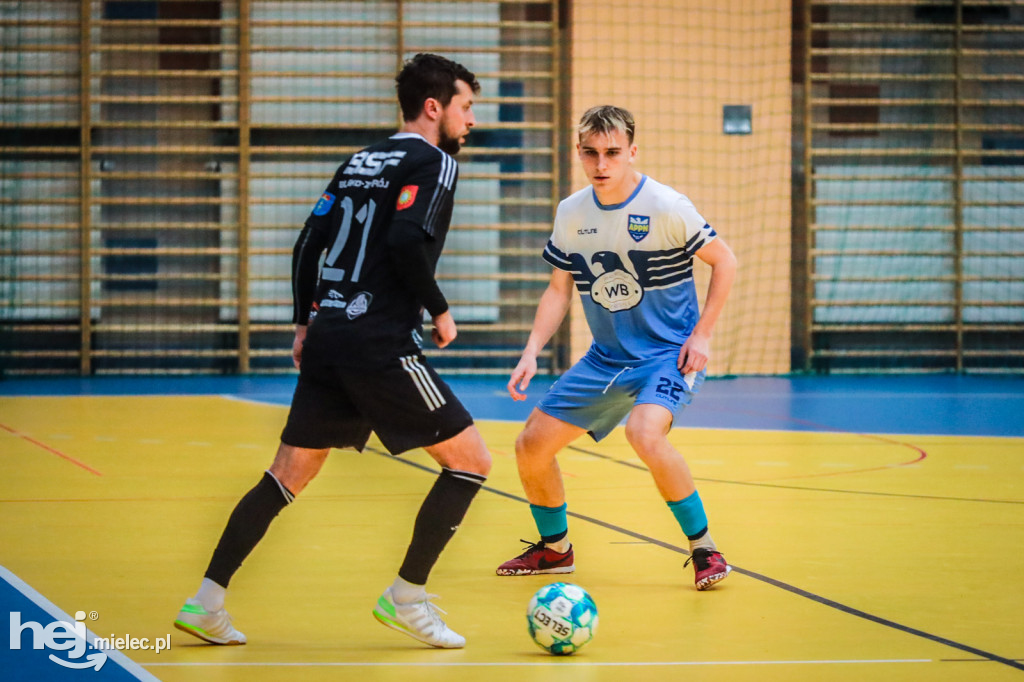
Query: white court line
[[264, 401], [556, 661]]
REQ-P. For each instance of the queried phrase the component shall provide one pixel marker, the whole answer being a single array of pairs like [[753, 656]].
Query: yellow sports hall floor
[[858, 555]]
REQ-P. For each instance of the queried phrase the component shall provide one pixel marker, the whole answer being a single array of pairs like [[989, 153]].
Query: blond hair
[[605, 119]]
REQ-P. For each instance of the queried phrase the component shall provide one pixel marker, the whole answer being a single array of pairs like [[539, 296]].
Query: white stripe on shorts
[[432, 396]]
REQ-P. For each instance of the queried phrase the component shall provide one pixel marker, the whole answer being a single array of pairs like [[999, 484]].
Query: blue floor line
[[935, 404]]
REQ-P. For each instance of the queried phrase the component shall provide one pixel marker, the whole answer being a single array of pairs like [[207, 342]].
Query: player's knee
[[465, 452], [527, 445], [479, 463], [533, 460], [294, 468], [645, 441], [476, 455], [293, 483]]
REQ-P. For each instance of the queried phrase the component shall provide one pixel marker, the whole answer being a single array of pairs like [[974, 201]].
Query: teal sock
[[552, 522], [689, 512]]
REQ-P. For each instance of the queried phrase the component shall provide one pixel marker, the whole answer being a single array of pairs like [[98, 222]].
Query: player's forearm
[[412, 266], [723, 273], [554, 304], [305, 270]]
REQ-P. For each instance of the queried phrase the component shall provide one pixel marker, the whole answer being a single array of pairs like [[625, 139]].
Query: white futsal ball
[[561, 617]]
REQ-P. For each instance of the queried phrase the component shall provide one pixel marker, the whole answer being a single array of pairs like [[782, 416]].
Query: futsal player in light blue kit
[[627, 243]]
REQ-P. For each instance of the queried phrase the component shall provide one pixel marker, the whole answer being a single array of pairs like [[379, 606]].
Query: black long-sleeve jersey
[[382, 220]]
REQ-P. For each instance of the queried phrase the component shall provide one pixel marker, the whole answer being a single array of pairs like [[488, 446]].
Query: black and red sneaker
[[538, 559], [709, 567]]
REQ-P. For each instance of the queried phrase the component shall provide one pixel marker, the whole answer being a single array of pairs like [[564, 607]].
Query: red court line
[[53, 451], [922, 454]]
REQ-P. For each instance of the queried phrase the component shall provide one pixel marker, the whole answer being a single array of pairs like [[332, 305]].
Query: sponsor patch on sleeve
[[323, 205], [407, 197]]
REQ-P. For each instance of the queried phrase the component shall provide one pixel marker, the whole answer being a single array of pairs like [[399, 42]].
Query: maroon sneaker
[[538, 559], [709, 567]]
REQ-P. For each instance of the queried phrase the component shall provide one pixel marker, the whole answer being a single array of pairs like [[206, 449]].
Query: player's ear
[[432, 108]]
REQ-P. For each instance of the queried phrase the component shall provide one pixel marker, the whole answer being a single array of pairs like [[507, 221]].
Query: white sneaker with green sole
[[419, 619], [212, 626]]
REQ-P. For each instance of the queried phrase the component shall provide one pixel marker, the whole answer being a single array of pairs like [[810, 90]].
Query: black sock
[[551, 539], [439, 517], [247, 526]]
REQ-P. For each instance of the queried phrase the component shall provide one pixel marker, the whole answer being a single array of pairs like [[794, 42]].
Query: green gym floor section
[[857, 555]]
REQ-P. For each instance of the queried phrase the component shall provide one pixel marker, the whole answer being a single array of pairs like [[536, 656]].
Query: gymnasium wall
[[674, 65]]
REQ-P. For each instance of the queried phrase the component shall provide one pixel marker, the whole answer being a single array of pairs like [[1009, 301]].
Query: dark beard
[[449, 145]]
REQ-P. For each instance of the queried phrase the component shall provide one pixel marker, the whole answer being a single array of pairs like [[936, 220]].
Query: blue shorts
[[595, 395]]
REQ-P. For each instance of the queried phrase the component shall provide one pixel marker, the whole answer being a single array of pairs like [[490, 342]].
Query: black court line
[[755, 484], [824, 601]]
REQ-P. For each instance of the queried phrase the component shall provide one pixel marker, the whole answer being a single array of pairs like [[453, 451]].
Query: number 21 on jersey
[[364, 217]]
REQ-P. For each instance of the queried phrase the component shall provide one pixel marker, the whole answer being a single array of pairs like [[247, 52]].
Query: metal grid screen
[[914, 151], [158, 159]]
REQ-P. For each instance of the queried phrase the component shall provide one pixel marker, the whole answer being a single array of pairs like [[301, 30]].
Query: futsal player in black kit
[[382, 223]]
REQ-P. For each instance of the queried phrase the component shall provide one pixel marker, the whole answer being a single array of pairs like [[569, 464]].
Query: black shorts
[[404, 402]]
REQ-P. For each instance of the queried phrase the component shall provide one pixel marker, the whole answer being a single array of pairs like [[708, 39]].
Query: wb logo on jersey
[[616, 290], [639, 226]]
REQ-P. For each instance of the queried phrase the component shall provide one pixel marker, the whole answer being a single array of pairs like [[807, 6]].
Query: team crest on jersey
[[616, 290], [639, 226], [358, 305], [407, 197], [323, 205]]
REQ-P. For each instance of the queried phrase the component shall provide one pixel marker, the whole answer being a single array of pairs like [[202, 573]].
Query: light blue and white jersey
[[633, 266]]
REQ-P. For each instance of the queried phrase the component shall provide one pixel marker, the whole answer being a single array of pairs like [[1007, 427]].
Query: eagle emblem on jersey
[[615, 286], [639, 226]]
